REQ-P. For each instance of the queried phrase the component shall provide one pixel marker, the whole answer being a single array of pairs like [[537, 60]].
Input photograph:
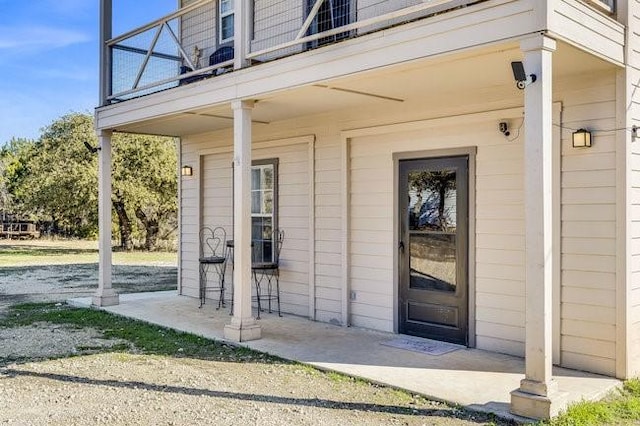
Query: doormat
[[425, 346]]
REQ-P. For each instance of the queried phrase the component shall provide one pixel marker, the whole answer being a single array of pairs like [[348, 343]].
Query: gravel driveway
[[59, 375]]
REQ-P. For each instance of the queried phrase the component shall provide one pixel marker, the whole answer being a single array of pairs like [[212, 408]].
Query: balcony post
[[242, 23], [243, 326], [106, 25], [105, 295], [538, 397]]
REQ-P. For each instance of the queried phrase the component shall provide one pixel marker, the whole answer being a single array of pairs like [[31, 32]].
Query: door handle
[[401, 246]]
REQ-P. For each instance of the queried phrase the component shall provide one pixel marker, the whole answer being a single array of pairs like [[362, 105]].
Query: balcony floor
[[477, 379]]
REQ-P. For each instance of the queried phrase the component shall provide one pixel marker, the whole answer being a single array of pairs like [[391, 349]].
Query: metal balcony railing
[[197, 41], [185, 46]]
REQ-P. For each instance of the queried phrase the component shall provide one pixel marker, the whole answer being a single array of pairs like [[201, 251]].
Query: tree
[[145, 182], [61, 182], [438, 182], [56, 179], [14, 160]]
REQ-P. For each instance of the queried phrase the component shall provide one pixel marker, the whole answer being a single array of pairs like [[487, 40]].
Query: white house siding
[[328, 248], [588, 310], [633, 118], [499, 261], [276, 22], [372, 8], [198, 28], [215, 177]]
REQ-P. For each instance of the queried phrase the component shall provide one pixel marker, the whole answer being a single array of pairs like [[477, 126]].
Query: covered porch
[[531, 292], [476, 379]]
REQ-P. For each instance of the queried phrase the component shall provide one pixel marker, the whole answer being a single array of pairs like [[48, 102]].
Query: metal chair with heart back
[[266, 270], [213, 259]]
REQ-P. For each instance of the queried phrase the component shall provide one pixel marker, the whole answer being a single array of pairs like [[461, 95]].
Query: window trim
[[274, 215], [221, 16]]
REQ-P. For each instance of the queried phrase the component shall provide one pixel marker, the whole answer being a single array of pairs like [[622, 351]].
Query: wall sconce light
[[581, 138], [635, 133], [187, 171]]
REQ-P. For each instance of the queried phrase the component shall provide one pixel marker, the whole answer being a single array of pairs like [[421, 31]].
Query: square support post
[[242, 24], [106, 25], [105, 295], [537, 396], [243, 326]]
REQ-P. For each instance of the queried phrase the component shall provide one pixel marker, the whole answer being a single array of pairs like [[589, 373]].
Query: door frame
[[471, 243]]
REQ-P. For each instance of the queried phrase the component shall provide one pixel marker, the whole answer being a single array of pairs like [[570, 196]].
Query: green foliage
[[62, 180], [14, 167], [55, 180], [622, 408], [145, 179]]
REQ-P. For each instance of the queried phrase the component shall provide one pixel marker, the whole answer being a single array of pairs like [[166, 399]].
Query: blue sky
[[49, 57]]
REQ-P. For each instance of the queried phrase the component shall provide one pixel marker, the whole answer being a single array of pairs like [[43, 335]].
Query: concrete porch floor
[[473, 378]]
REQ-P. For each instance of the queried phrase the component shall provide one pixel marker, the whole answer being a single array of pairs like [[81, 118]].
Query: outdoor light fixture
[[581, 138], [187, 171], [635, 133]]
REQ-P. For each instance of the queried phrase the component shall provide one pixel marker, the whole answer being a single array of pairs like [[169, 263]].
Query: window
[[264, 208], [225, 21]]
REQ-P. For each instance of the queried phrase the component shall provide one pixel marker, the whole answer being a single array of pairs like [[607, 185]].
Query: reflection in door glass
[[432, 201], [433, 261], [432, 230]]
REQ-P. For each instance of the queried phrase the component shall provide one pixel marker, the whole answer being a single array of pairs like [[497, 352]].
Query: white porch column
[[537, 396], [243, 326], [242, 24], [105, 296]]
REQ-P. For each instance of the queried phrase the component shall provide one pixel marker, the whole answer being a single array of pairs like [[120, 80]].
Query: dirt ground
[[60, 270], [52, 374]]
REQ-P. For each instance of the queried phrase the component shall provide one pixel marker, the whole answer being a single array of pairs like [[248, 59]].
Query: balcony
[[203, 39], [207, 38]]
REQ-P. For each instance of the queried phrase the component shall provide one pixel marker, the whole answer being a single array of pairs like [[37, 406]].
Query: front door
[[432, 250]]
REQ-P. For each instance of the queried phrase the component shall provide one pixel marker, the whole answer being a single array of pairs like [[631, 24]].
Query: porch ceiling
[[438, 82]]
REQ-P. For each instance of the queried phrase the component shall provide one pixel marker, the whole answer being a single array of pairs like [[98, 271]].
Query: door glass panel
[[432, 230], [433, 261], [432, 201]]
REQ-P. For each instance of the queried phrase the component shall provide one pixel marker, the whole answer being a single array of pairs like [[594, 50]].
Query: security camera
[[92, 149], [520, 76], [503, 126]]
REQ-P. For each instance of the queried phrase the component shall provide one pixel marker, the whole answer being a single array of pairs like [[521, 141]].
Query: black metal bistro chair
[[213, 259], [266, 274], [223, 54]]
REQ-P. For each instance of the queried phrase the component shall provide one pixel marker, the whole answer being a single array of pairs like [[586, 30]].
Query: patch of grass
[[146, 338], [621, 408], [38, 253]]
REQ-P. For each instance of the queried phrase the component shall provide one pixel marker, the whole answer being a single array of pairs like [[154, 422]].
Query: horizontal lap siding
[[216, 185], [633, 78], [588, 293], [499, 229], [372, 8], [500, 254], [328, 244], [371, 233], [276, 22], [293, 218], [586, 26], [199, 29]]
